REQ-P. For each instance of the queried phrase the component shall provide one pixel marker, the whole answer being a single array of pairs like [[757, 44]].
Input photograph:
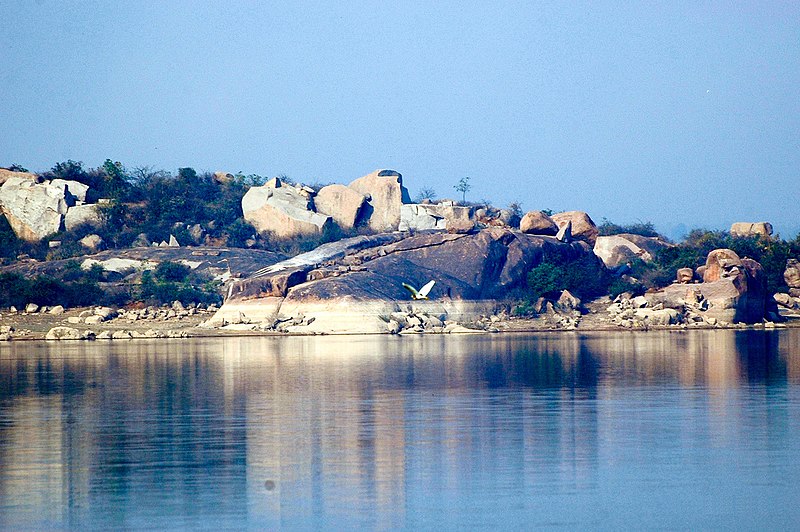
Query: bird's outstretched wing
[[425, 290], [412, 290]]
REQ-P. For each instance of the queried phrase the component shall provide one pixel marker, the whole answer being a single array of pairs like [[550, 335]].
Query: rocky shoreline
[[177, 321]]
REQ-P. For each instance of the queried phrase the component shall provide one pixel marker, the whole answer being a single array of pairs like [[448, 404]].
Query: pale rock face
[[616, 250], [282, 210], [81, 214], [538, 223], [6, 174], [565, 233], [341, 203], [751, 229], [583, 228], [63, 333], [386, 194], [93, 242], [74, 188], [33, 210], [419, 216]]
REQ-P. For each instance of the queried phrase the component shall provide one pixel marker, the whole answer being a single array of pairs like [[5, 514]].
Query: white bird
[[422, 293]]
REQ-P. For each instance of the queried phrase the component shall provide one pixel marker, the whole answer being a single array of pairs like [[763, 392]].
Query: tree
[[463, 186], [425, 193]]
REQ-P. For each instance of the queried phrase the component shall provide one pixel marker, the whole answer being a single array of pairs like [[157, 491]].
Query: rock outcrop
[[36, 209], [421, 216], [751, 229], [583, 227], [386, 194], [733, 290], [6, 174], [33, 210], [792, 273], [82, 214], [283, 210], [616, 250], [345, 205], [353, 289]]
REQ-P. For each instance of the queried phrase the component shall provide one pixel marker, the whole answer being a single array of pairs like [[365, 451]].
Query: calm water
[[668, 430]]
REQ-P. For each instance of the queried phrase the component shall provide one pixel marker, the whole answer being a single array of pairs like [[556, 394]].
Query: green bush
[[585, 276], [608, 228], [171, 272]]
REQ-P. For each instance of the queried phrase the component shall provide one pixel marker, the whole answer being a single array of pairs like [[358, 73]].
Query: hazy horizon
[[672, 114]]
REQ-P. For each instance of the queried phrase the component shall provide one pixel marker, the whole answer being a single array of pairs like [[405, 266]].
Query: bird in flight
[[422, 293]]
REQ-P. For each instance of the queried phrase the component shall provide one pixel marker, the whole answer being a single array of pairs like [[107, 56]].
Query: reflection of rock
[[349, 292], [386, 193], [282, 210], [341, 203], [583, 228], [538, 223], [751, 229]]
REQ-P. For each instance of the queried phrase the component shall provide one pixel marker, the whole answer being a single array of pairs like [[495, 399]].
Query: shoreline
[[35, 326]]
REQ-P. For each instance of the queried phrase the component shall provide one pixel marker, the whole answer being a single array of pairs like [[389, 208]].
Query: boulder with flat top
[[385, 195], [282, 210]]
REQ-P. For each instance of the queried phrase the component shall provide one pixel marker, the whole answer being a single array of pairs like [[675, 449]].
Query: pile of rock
[[71, 333], [638, 313], [175, 311], [36, 208]]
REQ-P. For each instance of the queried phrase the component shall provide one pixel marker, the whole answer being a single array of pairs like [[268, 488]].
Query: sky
[[673, 112]]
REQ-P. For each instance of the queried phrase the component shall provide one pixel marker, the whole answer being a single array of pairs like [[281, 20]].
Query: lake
[[676, 430]]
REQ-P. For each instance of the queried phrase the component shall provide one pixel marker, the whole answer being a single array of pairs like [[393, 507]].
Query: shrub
[[608, 228], [584, 276], [171, 272]]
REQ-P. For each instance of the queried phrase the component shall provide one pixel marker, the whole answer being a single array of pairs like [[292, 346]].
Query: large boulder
[[721, 263], [283, 210], [583, 227], [34, 210], [751, 229], [792, 273], [355, 291], [342, 203], [538, 223], [733, 290], [82, 214], [6, 174], [616, 250], [419, 216], [74, 190], [386, 194]]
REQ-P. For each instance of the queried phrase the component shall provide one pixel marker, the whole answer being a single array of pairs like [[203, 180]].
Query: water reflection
[[388, 432]]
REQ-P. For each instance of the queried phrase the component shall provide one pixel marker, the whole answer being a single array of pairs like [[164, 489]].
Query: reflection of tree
[[366, 425]]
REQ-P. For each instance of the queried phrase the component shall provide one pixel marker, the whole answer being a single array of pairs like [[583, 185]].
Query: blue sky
[[679, 112]]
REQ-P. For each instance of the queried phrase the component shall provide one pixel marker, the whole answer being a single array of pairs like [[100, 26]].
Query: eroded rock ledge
[[355, 285]]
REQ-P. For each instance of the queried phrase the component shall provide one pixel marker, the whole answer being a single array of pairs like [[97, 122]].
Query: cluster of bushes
[[145, 201], [70, 287], [587, 278], [171, 281]]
